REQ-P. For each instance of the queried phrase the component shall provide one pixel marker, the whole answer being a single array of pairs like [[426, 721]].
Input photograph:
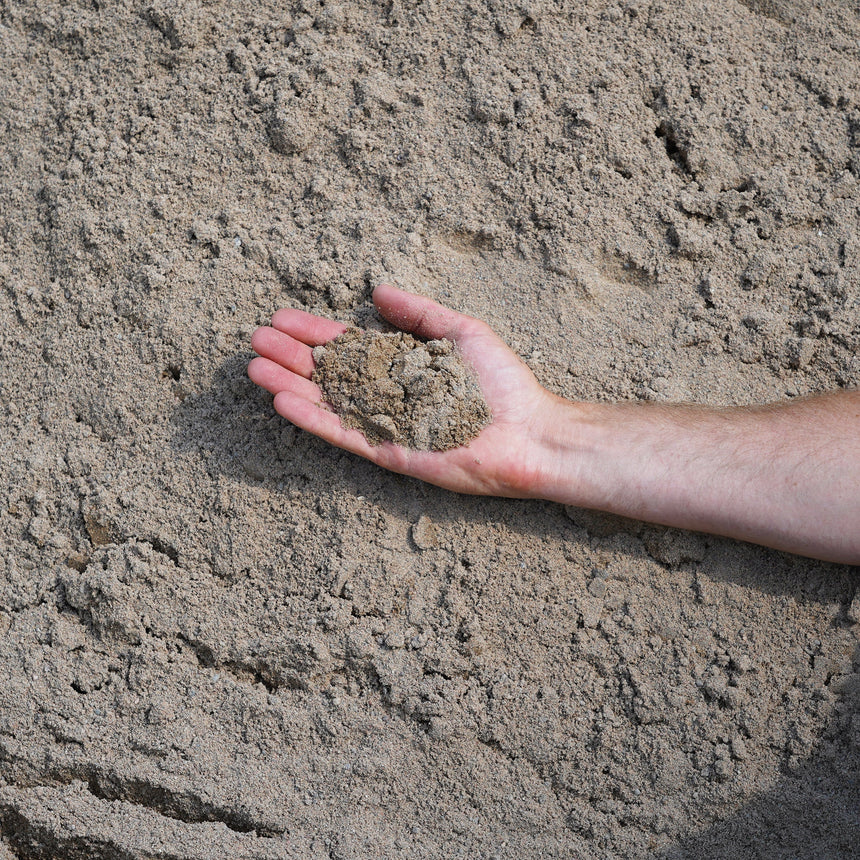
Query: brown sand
[[222, 638], [395, 388]]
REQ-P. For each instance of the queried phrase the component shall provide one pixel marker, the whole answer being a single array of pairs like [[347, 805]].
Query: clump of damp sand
[[395, 388]]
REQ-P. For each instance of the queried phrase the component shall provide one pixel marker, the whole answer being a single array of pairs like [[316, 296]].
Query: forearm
[[786, 476]]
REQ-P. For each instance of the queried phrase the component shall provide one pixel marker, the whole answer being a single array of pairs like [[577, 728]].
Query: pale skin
[[786, 475]]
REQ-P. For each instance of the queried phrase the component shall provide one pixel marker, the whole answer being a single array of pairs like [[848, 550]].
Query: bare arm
[[786, 475]]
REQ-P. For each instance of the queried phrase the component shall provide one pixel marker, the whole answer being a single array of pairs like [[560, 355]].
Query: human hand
[[507, 457]]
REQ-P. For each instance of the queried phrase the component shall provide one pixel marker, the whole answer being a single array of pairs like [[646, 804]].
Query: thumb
[[422, 316]]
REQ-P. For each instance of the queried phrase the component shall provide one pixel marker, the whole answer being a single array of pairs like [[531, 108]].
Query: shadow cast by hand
[[233, 426]]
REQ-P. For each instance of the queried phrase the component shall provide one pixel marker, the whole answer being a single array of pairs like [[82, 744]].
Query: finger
[[307, 415], [422, 316], [275, 378], [309, 329], [283, 349]]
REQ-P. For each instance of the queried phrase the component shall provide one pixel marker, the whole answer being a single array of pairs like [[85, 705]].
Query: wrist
[[567, 440], [598, 455]]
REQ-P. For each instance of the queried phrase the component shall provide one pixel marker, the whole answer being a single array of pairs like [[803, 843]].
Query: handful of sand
[[395, 388]]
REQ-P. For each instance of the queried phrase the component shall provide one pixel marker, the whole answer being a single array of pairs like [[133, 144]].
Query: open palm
[[502, 460]]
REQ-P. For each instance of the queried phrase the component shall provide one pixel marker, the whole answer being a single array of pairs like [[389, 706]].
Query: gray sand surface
[[220, 637]]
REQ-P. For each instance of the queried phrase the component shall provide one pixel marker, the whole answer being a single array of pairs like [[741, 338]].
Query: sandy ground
[[221, 638]]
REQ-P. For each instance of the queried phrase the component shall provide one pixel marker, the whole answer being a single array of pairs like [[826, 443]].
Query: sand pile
[[394, 388]]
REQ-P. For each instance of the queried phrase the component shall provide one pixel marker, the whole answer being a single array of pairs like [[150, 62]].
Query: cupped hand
[[506, 459]]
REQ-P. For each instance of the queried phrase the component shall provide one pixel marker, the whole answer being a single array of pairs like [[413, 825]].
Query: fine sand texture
[[220, 637]]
